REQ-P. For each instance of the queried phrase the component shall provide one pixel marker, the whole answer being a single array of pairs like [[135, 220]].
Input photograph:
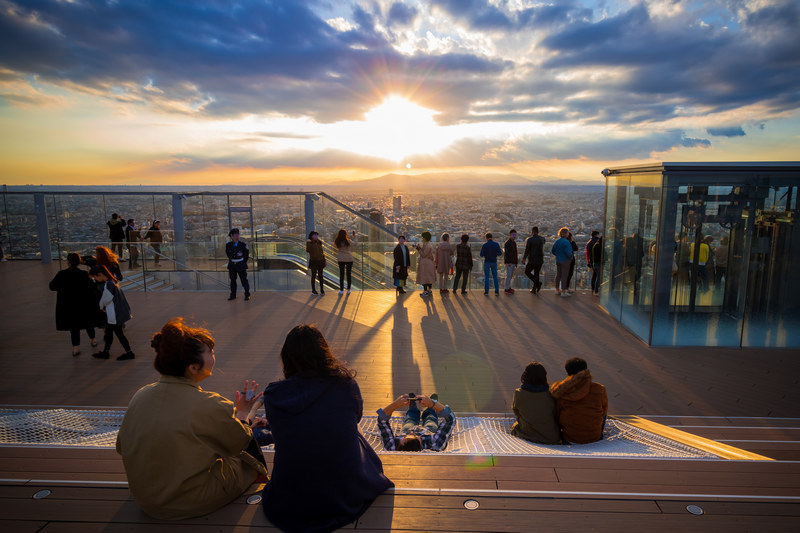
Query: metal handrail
[[187, 267]]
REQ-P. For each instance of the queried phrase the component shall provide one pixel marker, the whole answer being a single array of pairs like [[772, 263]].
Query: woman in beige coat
[[426, 268], [186, 451], [444, 261]]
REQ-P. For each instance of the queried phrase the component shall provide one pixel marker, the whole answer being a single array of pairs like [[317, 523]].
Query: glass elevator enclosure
[[702, 254]]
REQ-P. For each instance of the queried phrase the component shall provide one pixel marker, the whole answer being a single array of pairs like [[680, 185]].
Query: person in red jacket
[[581, 404]]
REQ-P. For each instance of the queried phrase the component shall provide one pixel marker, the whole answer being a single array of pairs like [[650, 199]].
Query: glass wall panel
[[630, 246], [772, 301]]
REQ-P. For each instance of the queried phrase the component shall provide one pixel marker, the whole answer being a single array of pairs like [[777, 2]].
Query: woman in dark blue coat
[[324, 475]]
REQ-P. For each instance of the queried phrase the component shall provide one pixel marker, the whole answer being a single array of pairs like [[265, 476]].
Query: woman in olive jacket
[[534, 408]]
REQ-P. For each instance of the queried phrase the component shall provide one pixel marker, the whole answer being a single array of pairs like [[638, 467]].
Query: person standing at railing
[[116, 233], [132, 237], [562, 249], [426, 268], [571, 273], [316, 261], [534, 255], [156, 238], [510, 258], [238, 254], [463, 264], [400, 266], [594, 257], [344, 256], [444, 261], [490, 251]]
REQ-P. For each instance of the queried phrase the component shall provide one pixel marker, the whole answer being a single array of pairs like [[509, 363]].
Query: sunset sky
[[308, 92]]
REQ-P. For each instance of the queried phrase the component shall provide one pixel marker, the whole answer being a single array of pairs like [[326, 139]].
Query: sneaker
[[570, 291], [341, 292], [76, 353], [463, 292], [348, 291], [565, 294], [126, 356], [497, 293], [246, 297], [231, 297], [486, 293], [94, 343], [314, 291], [101, 355]]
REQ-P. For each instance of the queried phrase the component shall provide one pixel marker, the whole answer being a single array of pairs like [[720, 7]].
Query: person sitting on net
[[419, 431]]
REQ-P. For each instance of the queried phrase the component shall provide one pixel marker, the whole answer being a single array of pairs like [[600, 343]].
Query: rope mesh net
[[472, 435]]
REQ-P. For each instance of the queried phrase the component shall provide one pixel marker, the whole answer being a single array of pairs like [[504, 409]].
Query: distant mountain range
[[400, 183], [449, 181]]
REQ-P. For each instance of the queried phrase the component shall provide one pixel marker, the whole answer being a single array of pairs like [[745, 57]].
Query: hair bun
[[156, 341]]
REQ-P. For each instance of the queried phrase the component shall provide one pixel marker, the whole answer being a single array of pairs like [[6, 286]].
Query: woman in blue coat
[[324, 474]]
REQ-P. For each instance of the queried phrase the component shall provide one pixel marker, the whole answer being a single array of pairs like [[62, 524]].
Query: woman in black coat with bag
[[401, 264], [76, 302]]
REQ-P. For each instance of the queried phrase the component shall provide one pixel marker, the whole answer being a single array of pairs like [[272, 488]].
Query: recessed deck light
[[471, 504], [695, 509]]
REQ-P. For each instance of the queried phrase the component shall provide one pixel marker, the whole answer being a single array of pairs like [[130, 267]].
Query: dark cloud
[[221, 58], [401, 14], [695, 143], [732, 131]]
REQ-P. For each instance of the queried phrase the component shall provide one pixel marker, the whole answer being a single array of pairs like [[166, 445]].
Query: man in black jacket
[[534, 255], [594, 257]]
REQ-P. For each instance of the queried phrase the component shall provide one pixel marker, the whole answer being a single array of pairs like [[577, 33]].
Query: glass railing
[[194, 229]]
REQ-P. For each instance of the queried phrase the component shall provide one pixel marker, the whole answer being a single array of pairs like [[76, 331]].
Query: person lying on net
[[420, 431]]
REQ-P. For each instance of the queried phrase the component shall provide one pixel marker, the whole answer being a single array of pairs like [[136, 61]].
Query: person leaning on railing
[[186, 451]]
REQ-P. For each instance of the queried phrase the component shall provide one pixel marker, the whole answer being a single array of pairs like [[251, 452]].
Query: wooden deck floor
[[470, 350]]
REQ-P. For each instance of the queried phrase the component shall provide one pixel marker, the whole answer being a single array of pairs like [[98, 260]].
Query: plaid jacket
[[463, 257], [435, 442]]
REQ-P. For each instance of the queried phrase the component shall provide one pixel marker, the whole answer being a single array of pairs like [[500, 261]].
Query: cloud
[[694, 143], [611, 66], [731, 131], [401, 14]]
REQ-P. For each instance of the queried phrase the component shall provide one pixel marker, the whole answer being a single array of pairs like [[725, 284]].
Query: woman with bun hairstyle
[[113, 301], [325, 474], [186, 451]]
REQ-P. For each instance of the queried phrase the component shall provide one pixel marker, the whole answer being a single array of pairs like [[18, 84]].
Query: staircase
[[136, 280]]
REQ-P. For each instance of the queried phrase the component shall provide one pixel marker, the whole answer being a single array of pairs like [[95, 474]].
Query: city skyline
[[319, 93]]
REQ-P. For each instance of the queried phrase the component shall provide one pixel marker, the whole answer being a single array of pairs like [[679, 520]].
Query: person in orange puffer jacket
[[581, 404]]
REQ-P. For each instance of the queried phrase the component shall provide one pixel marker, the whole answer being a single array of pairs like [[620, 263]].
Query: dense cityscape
[[81, 218]]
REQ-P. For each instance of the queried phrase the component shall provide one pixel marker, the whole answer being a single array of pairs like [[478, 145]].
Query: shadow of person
[[404, 371]]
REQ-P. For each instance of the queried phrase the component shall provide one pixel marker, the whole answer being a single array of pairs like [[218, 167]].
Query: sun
[[395, 129]]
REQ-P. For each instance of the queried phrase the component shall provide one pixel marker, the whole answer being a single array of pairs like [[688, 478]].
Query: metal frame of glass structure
[[701, 254]]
